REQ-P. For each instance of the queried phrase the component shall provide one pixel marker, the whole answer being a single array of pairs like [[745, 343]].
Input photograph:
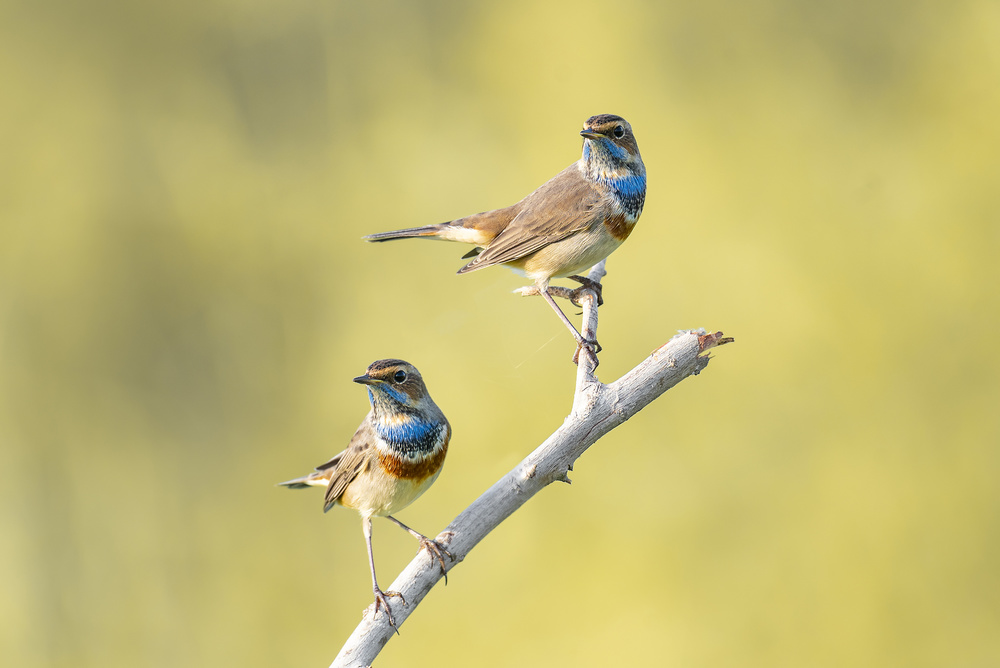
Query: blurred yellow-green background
[[184, 299]]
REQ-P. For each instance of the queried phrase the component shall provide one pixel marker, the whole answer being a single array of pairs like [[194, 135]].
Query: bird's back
[[563, 205]]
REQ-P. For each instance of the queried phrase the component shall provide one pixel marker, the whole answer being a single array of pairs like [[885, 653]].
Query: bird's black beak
[[366, 380], [590, 134]]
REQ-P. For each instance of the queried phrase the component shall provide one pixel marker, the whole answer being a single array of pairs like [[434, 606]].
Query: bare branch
[[597, 409]]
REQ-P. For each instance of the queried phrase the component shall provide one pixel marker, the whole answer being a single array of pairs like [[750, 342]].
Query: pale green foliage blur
[[184, 299]]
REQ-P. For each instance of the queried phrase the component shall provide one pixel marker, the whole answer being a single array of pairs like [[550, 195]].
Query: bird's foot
[[573, 295], [592, 347], [438, 551], [585, 285], [382, 599]]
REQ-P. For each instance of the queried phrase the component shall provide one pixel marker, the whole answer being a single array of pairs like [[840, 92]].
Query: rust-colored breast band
[[409, 469], [619, 227]]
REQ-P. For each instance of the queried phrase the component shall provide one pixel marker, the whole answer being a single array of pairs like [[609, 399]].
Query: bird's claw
[[585, 285], [592, 346], [438, 551], [382, 599]]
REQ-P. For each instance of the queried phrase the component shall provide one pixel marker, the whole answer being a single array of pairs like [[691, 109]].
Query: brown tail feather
[[425, 231], [300, 483]]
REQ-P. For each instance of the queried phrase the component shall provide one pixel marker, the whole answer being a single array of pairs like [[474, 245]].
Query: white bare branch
[[597, 409]]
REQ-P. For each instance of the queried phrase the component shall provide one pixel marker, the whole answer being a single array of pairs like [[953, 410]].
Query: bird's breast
[[412, 449], [628, 193], [410, 434], [620, 226], [414, 469]]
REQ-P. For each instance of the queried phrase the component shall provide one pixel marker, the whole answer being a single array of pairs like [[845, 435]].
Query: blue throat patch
[[388, 390], [412, 436], [614, 152], [630, 192]]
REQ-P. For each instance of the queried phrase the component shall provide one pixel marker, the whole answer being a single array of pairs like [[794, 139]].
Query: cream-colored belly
[[573, 255], [381, 494]]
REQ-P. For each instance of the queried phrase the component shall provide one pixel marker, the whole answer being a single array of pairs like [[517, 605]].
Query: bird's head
[[609, 147], [395, 386]]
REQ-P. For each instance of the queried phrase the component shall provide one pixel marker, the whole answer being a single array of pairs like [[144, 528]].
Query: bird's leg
[[585, 284], [381, 597], [543, 289], [435, 548]]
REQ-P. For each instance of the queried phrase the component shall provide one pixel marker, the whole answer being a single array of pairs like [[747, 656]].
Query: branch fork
[[597, 409]]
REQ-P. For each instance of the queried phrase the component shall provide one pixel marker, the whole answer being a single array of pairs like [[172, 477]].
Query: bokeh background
[[184, 300]]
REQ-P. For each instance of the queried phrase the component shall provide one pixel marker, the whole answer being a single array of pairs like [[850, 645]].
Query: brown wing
[[349, 463], [560, 207]]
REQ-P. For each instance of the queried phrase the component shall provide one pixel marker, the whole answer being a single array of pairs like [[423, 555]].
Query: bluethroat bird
[[569, 224], [393, 457]]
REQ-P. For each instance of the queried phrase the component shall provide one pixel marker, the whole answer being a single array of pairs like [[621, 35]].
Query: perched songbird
[[394, 456], [571, 223]]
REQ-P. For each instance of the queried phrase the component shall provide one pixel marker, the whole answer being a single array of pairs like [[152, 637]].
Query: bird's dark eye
[[399, 376], [619, 131]]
